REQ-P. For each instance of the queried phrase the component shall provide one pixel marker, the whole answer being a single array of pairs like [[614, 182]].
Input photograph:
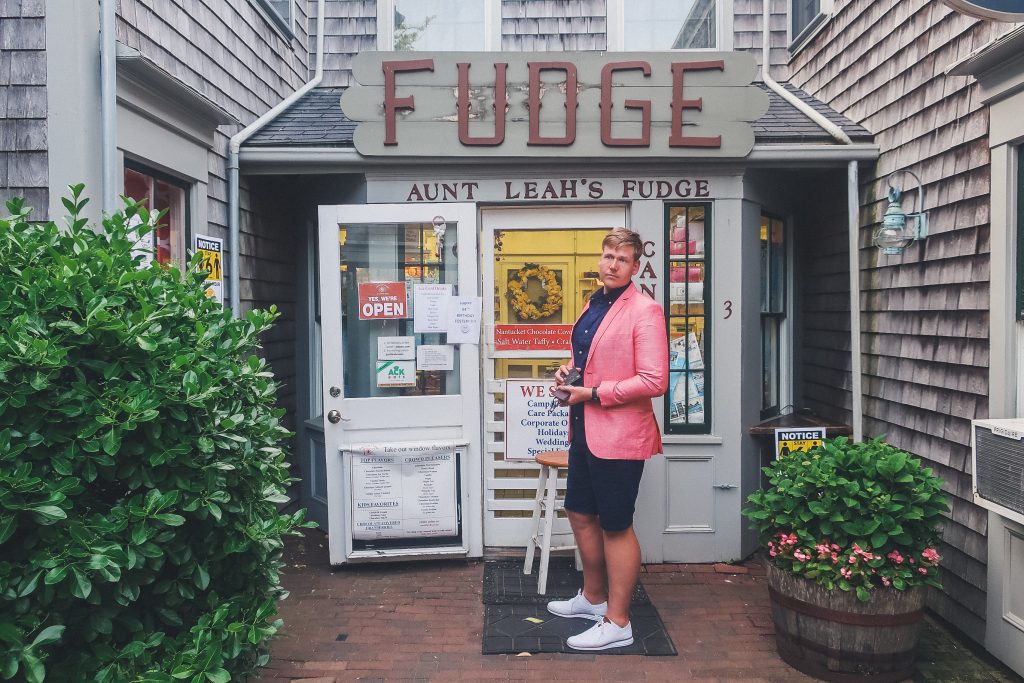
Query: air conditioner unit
[[997, 449]]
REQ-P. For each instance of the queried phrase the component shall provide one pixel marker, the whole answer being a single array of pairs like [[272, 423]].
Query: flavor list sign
[[404, 491], [534, 421]]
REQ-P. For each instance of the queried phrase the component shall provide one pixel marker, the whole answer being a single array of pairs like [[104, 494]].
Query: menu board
[[404, 491]]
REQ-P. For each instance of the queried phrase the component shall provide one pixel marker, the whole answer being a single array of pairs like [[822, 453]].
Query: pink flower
[[931, 555], [911, 560], [772, 552], [895, 557], [846, 573], [886, 582], [922, 570], [835, 558], [853, 559], [835, 546]]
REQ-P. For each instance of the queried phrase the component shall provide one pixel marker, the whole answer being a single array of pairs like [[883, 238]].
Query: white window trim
[[285, 26], [813, 28], [386, 25], [616, 21]]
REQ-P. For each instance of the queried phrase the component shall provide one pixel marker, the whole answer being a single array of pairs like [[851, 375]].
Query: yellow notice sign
[[797, 439], [211, 261]]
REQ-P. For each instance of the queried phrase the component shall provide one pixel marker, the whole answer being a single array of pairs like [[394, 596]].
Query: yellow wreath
[[525, 307]]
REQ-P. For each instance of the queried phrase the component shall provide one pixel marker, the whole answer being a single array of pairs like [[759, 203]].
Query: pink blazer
[[628, 363]]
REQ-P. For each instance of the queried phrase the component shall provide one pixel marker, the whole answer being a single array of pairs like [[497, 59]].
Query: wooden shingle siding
[[925, 320], [234, 54], [23, 103], [350, 28], [747, 32], [553, 25]]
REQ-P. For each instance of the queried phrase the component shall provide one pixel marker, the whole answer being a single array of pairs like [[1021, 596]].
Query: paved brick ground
[[421, 621]]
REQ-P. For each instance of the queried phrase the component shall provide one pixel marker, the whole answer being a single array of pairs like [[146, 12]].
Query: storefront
[[459, 214]]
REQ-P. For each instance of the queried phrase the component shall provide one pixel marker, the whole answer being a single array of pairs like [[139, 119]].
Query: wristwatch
[[593, 395]]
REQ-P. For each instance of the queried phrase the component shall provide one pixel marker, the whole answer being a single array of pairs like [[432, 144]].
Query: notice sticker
[[396, 348], [797, 439]]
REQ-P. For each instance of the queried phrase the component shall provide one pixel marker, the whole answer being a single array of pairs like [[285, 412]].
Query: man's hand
[[560, 374], [578, 395]]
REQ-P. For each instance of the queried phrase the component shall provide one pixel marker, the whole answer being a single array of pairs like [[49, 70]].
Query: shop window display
[[159, 192], [688, 228]]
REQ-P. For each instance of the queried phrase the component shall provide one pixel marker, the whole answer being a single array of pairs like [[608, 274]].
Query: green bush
[[852, 516], [141, 464]]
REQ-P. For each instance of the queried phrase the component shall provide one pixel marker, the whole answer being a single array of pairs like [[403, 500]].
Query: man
[[620, 346]]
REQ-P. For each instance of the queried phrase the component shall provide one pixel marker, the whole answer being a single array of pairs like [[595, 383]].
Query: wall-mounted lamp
[[899, 229]]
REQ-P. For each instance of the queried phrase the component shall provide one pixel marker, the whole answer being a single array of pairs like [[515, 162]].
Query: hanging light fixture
[[899, 229]]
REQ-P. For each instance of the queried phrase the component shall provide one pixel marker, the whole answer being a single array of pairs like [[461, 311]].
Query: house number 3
[[728, 309]]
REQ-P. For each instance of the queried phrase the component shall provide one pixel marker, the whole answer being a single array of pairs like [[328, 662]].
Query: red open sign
[[382, 301]]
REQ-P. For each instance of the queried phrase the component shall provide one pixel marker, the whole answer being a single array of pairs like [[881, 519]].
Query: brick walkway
[[422, 621]]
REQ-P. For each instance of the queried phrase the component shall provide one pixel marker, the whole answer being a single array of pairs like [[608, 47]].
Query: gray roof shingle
[[316, 120]]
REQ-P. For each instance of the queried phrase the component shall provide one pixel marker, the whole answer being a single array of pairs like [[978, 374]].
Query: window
[[641, 25], [773, 313], [434, 25], [160, 192], [687, 405], [397, 257], [281, 13], [805, 17]]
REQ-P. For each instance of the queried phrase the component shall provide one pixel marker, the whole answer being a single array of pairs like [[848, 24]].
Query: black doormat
[[516, 618]]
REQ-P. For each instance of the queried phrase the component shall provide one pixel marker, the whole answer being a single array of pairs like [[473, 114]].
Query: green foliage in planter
[[141, 464], [852, 516]]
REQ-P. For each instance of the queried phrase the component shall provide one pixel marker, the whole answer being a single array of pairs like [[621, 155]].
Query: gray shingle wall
[[553, 25], [350, 27], [23, 102], [747, 27], [925, 321], [230, 51]]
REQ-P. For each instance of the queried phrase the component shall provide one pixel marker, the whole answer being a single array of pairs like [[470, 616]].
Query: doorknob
[[334, 417]]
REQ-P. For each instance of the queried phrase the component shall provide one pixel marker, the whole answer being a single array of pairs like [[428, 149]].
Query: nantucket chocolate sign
[[595, 105]]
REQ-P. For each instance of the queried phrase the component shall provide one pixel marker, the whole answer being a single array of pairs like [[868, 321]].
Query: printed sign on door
[[382, 301]]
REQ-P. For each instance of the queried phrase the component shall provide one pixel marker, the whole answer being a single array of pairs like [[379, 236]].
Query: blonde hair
[[624, 237]]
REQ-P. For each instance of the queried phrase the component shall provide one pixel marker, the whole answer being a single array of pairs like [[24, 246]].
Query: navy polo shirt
[[582, 337]]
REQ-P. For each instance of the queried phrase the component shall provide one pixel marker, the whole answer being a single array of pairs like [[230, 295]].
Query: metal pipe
[[809, 111], [234, 210], [853, 209], [108, 105]]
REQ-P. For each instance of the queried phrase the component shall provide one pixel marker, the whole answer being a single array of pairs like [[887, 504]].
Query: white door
[[384, 394]]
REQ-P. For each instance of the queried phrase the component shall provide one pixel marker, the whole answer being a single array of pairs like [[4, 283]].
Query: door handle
[[725, 487], [334, 417]]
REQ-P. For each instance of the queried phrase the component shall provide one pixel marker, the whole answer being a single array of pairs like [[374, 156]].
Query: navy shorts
[[606, 488]]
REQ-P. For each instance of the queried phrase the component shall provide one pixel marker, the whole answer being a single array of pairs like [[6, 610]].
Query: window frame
[[799, 38], [286, 25], [1019, 189], [187, 229], [781, 317], [615, 28], [704, 427], [385, 38]]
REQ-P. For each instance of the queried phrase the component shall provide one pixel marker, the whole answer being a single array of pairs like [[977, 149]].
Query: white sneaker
[[602, 636], [578, 606]]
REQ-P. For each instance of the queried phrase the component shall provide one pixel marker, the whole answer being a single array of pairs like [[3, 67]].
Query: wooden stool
[[545, 508]]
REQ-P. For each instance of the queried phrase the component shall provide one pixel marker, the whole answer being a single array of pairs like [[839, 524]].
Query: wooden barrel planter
[[833, 636]]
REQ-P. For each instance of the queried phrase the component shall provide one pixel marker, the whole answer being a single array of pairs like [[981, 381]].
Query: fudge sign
[[669, 105]]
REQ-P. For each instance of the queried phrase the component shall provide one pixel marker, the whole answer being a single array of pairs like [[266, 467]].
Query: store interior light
[[899, 229]]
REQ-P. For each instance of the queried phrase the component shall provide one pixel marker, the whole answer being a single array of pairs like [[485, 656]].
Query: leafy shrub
[[140, 464], [853, 516]]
